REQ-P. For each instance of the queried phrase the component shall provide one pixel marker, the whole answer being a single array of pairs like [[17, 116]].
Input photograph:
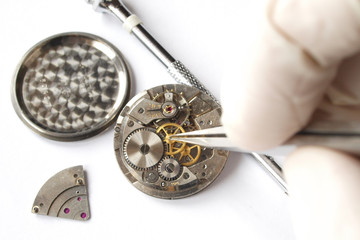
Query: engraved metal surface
[[171, 169], [64, 195], [71, 86]]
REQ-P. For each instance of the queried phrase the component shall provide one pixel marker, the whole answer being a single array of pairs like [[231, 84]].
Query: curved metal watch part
[[64, 195]]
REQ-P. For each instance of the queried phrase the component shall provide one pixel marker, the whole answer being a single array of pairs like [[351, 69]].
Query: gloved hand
[[307, 53]]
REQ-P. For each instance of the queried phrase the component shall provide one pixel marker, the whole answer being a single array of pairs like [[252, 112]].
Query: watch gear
[[168, 129], [143, 149], [190, 155], [187, 154], [169, 169], [152, 162]]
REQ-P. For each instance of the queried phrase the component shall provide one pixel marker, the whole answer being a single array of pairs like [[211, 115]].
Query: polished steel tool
[[175, 68], [216, 138]]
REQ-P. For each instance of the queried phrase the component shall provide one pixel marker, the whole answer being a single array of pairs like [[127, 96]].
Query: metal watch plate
[[149, 159]]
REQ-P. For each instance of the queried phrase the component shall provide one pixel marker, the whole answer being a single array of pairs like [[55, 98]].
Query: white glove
[[308, 52]]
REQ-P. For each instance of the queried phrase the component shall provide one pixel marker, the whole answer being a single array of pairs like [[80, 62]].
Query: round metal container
[[70, 86]]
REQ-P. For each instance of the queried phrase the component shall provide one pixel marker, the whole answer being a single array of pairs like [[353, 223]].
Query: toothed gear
[[143, 149], [169, 169]]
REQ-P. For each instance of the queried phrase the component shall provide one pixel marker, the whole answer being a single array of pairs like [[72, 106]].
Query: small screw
[[80, 181], [117, 129], [35, 209], [141, 111], [186, 175], [130, 123], [151, 177]]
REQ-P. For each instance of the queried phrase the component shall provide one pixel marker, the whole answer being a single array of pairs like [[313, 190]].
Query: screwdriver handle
[[133, 24]]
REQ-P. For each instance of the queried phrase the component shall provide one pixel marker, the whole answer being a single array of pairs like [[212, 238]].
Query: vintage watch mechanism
[[64, 195], [154, 163]]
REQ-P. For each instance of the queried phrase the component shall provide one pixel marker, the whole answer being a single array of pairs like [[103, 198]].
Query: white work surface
[[243, 203]]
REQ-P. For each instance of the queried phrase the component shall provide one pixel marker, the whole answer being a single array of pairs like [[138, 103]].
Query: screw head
[[80, 181], [35, 209]]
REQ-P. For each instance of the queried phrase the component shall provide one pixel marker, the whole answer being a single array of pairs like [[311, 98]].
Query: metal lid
[[70, 86]]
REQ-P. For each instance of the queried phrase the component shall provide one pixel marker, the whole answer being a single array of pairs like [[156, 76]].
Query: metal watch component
[[143, 148], [70, 86], [64, 195], [169, 169], [151, 161]]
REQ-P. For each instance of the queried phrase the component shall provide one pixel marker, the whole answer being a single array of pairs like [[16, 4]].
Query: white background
[[243, 203]]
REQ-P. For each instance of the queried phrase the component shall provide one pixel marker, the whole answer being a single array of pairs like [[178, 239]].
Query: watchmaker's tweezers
[[216, 138]]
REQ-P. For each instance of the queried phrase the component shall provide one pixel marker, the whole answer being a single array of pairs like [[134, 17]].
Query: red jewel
[[169, 109]]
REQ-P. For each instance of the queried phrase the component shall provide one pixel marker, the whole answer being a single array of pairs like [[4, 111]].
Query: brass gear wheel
[[190, 155], [167, 130]]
